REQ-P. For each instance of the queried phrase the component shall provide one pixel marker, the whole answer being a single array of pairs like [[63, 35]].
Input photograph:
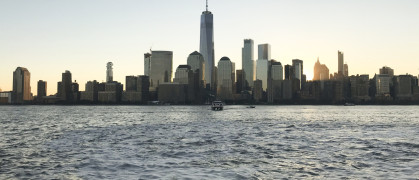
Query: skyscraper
[[183, 74], [289, 72], [345, 70], [225, 78], [42, 89], [206, 47], [21, 85], [321, 72], [264, 51], [109, 72], [131, 83], [197, 64], [239, 83], [248, 62], [262, 72], [387, 70], [340, 64], [66, 87], [298, 69], [161, 64], [262, 64], [147, 62], [382, 84], [277, 72]]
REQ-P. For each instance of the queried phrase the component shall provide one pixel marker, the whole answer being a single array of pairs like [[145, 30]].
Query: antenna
[[207, 5]]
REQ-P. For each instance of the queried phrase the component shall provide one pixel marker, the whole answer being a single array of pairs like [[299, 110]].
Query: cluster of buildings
[[200, 80]]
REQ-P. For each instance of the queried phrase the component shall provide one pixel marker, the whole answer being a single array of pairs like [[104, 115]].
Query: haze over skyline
[[49, 37]]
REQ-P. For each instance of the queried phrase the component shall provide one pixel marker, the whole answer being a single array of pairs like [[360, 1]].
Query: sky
[[51, 36]]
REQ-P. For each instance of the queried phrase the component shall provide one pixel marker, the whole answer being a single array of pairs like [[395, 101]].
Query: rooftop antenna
[[207, 5]]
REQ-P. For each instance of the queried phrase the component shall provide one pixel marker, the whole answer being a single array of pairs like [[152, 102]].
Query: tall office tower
[[42, 89], [109, 72], [298, 69], [143, 85], [262, 72], [382, 84], [289, 72], [277, 72], [197, 64], [75, 87], [90, 92], [66, 87], [387, 70], [321, 72], [248, 62], [206, 47], [345, 70], [264, 51], [240, 81], [183, 74], [340, 63], [131, 83], [225, 78], [21, 85], [161, 64], [147, 62]]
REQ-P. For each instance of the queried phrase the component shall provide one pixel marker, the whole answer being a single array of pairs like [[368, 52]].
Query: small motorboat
[[217, 106], [251, 107], [349, 104]]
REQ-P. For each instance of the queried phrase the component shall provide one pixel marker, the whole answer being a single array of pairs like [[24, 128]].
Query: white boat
[[217, 106]]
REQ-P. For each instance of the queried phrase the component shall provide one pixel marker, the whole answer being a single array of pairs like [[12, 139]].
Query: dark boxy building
[[257, 90], [360, 88], [112, 93], [42, 89], [137, 89], [173, 93], [66, 87], [90, 94]]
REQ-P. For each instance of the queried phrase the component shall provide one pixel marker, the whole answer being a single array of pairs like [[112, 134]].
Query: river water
[[193, 142]]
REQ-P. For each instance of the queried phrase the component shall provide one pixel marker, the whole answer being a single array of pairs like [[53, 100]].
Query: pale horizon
[[49, 37]]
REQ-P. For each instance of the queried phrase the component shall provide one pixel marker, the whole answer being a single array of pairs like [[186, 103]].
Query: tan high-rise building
[[161, 65], [387, 70], [345, 70], [183, 74], [321, 72], [21, 85], [225, 79], [197, 64], [340, 63]]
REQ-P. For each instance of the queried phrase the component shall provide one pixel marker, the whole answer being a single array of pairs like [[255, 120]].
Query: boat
[[217, 106], [349, 104], [251, 106]]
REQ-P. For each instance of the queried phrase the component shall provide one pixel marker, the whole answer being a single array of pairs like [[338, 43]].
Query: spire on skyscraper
[[207, 5]]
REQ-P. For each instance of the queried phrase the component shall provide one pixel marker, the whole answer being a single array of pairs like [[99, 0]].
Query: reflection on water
[[180, 142]]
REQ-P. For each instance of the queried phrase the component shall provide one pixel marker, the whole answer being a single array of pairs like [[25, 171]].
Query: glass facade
[[207, 45], [248, 61]]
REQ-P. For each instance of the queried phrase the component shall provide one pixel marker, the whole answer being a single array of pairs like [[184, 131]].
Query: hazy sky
[[51, 36]]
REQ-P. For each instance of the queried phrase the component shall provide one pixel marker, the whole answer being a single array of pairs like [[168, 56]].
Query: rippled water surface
[[185, 142]]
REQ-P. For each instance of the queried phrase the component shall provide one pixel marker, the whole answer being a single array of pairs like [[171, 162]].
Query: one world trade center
[[207, 45]]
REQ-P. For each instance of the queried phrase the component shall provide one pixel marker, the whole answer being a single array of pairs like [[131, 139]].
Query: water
[[185, 142]]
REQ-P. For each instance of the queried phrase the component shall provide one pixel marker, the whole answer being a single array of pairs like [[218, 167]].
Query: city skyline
[[47, 49]]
